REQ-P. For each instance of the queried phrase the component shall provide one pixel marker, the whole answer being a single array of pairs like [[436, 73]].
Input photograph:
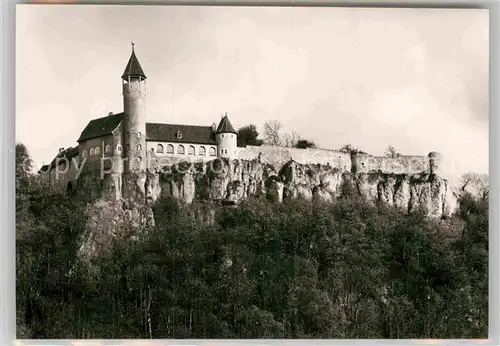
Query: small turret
[[434, 163], [226, 138]]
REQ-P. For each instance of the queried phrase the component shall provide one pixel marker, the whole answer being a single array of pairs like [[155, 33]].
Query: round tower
[[434, 163], [134, 107], [227, 139]]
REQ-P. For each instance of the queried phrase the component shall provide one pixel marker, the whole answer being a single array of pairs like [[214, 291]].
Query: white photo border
[[7, 172]]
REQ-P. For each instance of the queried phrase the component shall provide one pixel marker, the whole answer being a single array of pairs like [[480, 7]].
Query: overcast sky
[[416, 79]]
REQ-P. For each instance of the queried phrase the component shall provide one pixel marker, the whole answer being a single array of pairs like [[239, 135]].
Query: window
[[84, 153], [180, 150], [159, 148], [107, 149], [139, 147], [119, 148], [97, 150], [138, 135], [222, 151], [212, 151], [191, 150], [91, 151], [170, 149], [222, 136], [202, 151], [179, 135], [153, 150]]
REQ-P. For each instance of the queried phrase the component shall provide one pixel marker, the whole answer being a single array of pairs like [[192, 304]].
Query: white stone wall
[[197, 149], [278, 156], [227, 145]]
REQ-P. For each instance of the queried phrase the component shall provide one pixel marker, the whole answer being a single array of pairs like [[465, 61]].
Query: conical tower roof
[[225, 126], [133, 68]]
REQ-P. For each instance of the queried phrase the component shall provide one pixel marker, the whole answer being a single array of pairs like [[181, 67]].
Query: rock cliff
[[233, 181], [126, 201]]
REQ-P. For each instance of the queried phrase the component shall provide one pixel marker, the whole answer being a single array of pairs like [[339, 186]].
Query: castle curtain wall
[[65, 172], [278, 156], [364, 163]]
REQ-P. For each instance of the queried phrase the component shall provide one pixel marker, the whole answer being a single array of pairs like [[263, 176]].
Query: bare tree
[[290, 139], [476, 184], [272, 134], [392, 152]]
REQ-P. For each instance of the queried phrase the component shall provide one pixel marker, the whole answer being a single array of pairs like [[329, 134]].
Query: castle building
[[125, 142]]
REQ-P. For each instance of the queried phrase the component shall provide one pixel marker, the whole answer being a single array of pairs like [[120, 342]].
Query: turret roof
[[225, 126], [133, 68]]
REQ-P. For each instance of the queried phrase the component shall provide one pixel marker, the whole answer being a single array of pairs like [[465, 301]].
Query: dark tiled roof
[[189, 133], [225, 126], [43, 169], [133, 68], [101, 127], [67, 153]]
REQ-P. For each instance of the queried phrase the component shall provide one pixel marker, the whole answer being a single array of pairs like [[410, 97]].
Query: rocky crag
[[127, 199]]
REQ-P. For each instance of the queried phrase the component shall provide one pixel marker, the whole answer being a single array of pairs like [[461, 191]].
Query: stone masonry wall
[[364, 163], [278, 156]]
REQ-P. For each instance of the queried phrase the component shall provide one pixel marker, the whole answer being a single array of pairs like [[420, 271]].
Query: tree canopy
[[298, 269], [248, 135]]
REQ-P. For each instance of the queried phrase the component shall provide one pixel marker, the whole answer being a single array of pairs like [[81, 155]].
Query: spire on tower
[[225, 125], [133, 68]]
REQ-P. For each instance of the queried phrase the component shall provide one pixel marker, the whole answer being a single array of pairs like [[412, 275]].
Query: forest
[[295, 270]]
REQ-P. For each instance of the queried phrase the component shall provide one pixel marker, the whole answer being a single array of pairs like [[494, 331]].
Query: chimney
[[110, 113], [61, 149], [214, 127]]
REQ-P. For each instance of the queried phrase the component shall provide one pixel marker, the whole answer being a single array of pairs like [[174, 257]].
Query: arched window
[[202, 151], [119, 148], [84, 153], [159, 148], [97, 150], [139, 147], [170, 149], [107, 149], [191, 150], [222, 151], [212, 151], [91, 151], [180, 150]]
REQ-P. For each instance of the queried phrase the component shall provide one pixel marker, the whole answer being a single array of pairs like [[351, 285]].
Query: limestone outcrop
[[230, 182], [126, 200]]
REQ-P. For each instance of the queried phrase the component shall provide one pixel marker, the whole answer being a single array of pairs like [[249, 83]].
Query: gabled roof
[[225, 126], [101, 127], [133, 68], [188, 133], [67, 153], [43, 169]]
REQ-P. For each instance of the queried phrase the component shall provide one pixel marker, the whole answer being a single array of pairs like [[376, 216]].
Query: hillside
[[299, 268]]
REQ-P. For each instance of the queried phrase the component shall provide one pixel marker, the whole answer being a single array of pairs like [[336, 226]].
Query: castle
[[121, 143]]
